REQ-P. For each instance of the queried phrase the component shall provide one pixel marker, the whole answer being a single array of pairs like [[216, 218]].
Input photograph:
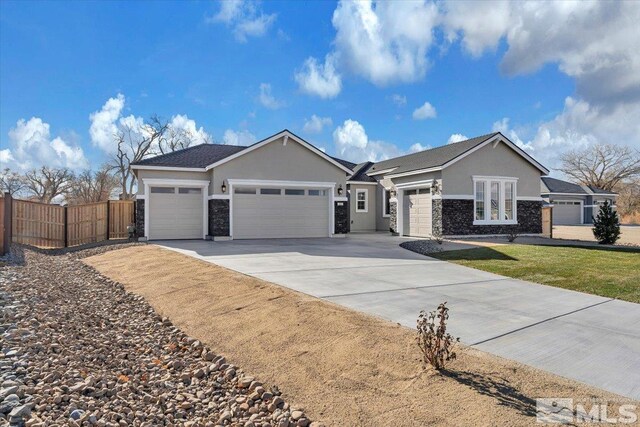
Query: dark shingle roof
[[597, 190], [198, 156], [559, 186], [345, 163], [431, 158], [360, 173]]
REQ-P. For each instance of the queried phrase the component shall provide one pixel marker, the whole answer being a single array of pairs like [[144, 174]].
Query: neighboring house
[[573, 204], [283, 186]]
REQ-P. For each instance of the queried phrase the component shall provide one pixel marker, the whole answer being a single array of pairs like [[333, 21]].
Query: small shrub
[[434, 341], [513, 234], [436, 236], [606, 226]]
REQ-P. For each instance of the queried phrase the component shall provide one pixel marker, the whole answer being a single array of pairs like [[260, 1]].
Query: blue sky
[[481, 66]]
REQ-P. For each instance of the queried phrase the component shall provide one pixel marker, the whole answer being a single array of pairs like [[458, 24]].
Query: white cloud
[[319, 79], [315, 124], [399, 100], [456, 137], [426, 111], [352, 143], [245, 17], [267, 99], [183, 124], [241, 137], [418, 147], [103, 123], [385, 42], [32, 146]]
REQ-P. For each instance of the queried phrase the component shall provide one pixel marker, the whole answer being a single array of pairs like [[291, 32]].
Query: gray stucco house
[[283, 186], [573, 204]]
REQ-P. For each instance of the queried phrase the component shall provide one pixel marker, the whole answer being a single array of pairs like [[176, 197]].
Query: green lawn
[[613, 273]]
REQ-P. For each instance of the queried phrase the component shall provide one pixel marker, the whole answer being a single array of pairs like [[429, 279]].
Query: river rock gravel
[[77, 349]]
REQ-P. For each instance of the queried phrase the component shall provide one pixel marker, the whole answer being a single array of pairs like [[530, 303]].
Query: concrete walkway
[[588, 338]]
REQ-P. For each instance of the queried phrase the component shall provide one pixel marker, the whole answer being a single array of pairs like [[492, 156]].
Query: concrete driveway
[[588, 338]]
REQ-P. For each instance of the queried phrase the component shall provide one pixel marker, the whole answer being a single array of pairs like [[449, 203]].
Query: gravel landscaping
[[78, 349]]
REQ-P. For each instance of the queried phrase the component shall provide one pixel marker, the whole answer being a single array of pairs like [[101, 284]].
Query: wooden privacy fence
[[53, 226], [547, 221]]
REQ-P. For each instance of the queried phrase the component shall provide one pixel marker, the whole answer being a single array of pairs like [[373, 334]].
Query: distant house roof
[[555, 185], [431, 158], [198, 156], [360, 173]]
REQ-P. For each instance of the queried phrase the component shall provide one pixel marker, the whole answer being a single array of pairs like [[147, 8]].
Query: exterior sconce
[[435, 189], [340, 190], [224, 187]]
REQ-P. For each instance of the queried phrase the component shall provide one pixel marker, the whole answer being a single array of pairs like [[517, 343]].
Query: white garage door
[[566, 212], [175, 213], [417, 213], [267, 212]]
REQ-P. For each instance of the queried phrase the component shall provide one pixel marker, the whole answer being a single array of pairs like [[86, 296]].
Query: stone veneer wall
[[219, 217], [457, 219], [436, 217], [393, 217], [341, 217], [139, 218]]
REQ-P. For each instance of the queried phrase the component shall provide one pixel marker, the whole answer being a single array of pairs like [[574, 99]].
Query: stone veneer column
[[341, 217], [139, 217], [393, 216], [436, 217], [219, 223]]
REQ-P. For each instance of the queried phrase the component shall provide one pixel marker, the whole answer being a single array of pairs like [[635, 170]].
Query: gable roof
[[198, 156], [558, 186], [360, 173], [208, 156], [441, 157]]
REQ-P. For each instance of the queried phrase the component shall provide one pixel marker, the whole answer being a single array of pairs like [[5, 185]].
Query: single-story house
[[573, 204], [283, 186]]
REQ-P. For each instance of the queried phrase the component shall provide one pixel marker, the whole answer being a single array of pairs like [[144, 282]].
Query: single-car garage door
[[267, 212], [175, 213], [566, 212], [417, 213]]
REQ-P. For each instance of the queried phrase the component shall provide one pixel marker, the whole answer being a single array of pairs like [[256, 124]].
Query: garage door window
[[186, 190], [294, 192], [163, 190], [270, 191], [244, 190], [317, 192]]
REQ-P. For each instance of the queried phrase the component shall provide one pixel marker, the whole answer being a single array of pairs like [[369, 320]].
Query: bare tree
[[12, 182], [602, 165], [628, 201], [46, 183], [91, 187], [134, 145]]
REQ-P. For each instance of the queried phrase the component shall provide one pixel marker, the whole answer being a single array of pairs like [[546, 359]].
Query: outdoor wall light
[[224, 187], [340, 190]]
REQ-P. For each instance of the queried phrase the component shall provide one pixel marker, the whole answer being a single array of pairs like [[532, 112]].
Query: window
[[244, 190], [479, 200], [362, 200], [186, 190], [163, 190], [508, 201], [317, 192], [294, 192], [494, 200], [386, 202], [271, 191]]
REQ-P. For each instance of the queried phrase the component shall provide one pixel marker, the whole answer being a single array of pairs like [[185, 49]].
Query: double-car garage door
[[271, 212]]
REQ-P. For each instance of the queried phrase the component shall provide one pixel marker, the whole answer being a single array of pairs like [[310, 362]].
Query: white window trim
[[502, 180], [364, 191], [384, 202]]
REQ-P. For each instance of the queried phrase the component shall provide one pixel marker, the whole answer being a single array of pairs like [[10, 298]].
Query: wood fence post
[[108, 219], [8, 223], [66, 228]]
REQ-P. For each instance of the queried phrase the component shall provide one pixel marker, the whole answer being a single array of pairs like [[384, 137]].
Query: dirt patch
[[343, 367]]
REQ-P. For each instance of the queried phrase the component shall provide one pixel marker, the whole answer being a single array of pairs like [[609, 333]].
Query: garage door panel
[[566, 213], [175, 216], [418, 215], [279, 216]]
